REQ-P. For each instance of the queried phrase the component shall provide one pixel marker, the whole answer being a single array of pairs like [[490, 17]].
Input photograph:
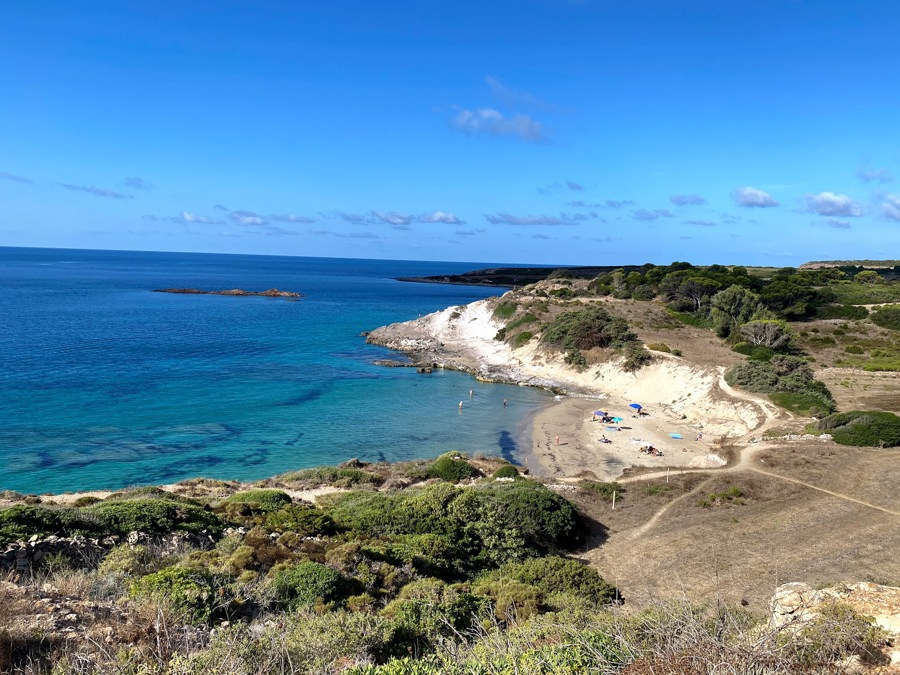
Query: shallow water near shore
[[107, 384]]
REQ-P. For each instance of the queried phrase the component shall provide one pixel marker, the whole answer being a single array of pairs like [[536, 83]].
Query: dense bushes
[[335, 476], [887, 317], [153, 516], [23, 520], [478, 526], [784, 374], [309, 583], [451, 467], [585, 329], [191, 593], [846, 312], [263, 501], [870, 428], [507, 471]]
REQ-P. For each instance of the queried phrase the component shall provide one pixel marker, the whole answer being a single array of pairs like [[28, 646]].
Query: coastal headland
[[680, 401]]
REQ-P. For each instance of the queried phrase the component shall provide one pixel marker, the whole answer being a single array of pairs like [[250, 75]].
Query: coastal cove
[[109, 384]]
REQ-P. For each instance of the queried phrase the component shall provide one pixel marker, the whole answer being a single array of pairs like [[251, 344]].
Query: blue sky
[[544, 131]]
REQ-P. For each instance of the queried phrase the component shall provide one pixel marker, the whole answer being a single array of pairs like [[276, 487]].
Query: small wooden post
[[667, 474], [614, 500]]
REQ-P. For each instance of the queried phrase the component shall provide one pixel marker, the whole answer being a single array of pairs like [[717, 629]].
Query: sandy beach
[[678, 397], [581, 454]]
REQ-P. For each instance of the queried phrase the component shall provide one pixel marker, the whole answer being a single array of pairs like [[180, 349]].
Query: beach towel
[[675, 436]]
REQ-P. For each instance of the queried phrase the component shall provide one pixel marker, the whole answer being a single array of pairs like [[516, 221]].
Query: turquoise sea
[[105, 384]]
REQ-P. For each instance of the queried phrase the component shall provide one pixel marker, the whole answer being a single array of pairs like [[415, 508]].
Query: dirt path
[[744, 464]]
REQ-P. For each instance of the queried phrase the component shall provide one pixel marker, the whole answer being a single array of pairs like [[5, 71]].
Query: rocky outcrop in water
[[270, 293]]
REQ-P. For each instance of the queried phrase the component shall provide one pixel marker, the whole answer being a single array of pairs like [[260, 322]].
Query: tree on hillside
[[732, 307], [688, 289], [868, 277], [770, 333]]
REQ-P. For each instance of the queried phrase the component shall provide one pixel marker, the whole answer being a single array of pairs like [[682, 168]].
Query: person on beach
[[699, 436], [504, 403], [557, 439]]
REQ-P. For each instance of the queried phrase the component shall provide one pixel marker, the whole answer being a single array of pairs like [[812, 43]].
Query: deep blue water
[[105, 384]]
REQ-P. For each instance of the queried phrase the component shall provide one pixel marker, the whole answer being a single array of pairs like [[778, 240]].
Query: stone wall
[[85, 552]]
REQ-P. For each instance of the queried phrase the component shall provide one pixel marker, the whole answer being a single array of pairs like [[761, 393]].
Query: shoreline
[[682, 398]]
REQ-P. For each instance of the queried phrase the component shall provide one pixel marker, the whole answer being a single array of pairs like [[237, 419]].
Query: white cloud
[[14, 177], [831, 204], [490, 122], [702, 223], [242, 217], [872, 175], [291, 218], [137, 183], [97, 192], [439, 217], [655, 214], [509, 219], [188, 217], [749, 197], [890, 207], [687, 200]]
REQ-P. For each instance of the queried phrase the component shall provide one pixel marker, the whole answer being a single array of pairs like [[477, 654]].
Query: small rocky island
[[270, 293]]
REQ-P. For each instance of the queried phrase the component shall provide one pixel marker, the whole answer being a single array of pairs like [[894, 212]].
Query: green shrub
[[153, 516], [304, 520], [505, 310], [507, 471], [520, 339], [732, 495], [427, 610], [603, 490], [854, 349], [784, 374], [864, 428], [261, 501], [887, 317], [808, 405], [636, 357], [585, 329], [657, 489], [342, 477], [149, 491], [308, 583], [848, 312], [754, 352], [127, 560], [478, 526], [659, 347], [513, 601], [521, 321], [575, 358], [835, 633], [554, 574], [691, 319], [22, 521], [85, 500], [191, 593], [451, 467]]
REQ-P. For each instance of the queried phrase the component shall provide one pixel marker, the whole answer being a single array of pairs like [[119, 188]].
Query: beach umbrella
[[636, 406], [616, 419], [599, 412]]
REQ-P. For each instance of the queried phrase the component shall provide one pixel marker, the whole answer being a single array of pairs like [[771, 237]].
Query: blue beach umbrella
[[636, 406], [599, 412]]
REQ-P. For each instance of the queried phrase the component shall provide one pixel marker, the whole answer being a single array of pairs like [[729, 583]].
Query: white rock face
[[796, 603]]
